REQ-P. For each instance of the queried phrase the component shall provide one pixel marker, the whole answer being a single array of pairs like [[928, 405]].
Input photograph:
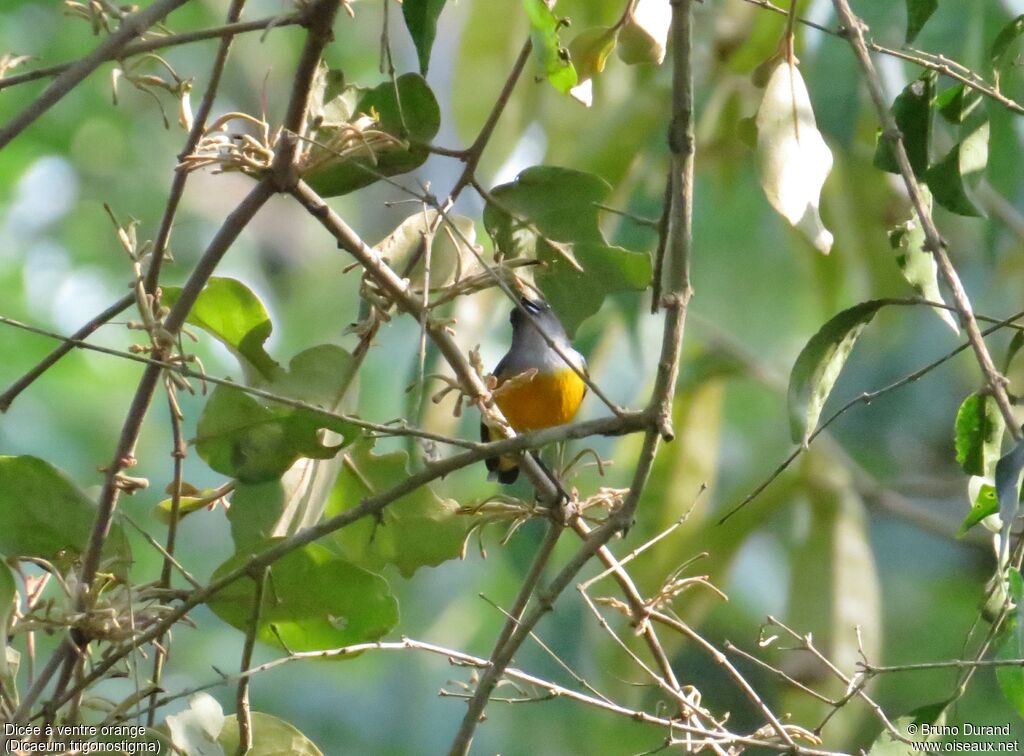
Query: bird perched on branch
[[537, 387]]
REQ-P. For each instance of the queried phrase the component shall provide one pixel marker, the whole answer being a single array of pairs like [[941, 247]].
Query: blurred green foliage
[[859, 532]]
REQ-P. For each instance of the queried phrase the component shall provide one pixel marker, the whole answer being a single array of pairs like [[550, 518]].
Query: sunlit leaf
[[241, 437], [551, 213], [589, 51], [979, 434], [412, 116], [195, 730], [793, 156], [547, 49], [1011, 677], [43, 514], [421, 21], [644, 36], [230, 312], [917, 264], [818, 366], [418, 530], [270, 736], [912, 110], [313, 600], [918, 13], [952, 178], [1002, 43]]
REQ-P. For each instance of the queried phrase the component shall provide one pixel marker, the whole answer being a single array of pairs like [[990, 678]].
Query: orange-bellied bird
[[551, 396]]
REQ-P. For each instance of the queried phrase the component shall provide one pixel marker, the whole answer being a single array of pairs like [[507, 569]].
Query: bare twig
[[242, 696], [131, 27]]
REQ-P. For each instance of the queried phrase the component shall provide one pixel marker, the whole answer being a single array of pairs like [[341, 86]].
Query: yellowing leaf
[[589, 51], [645, 34], [793, 156]]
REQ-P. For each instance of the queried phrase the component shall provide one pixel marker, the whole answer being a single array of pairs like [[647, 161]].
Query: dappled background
[[860, 530]]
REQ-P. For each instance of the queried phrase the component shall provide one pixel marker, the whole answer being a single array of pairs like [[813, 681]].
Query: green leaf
[[418, 530], [255, 511], [186, 505], [912, 110], [1006, 37], [932, 714], [819, 364], [245, 439], [550, 213], [952, 178], [576, 295], [229, 311], [918, 13], [547, 49], [270, 736], [985, 504], [979, 434], [8, 603], [421, 21], [1011, 351], [413, 118], [1011, 678], [43, 514], [313, 600], [917, 264]]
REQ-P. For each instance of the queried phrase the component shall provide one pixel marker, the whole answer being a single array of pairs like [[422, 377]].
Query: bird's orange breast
[[546, 400]]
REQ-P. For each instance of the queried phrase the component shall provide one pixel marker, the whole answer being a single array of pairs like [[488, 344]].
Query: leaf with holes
[[547, 48], [979, 434], [984, 504], [230, 312], [917, 264], [240, 437], [819, 364], [313, 600], [418, 530]]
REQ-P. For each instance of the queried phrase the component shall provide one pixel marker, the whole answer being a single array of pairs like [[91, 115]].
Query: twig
[[53, 357], [131, 27], [682, 146], [159, 43], [242, 696]]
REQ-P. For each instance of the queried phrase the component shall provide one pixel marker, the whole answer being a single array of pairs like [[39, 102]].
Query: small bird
[[552, 391]]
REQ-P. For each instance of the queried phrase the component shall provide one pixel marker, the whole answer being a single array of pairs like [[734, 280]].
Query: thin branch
[[131, 27], [242, 695], [12, 392]]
